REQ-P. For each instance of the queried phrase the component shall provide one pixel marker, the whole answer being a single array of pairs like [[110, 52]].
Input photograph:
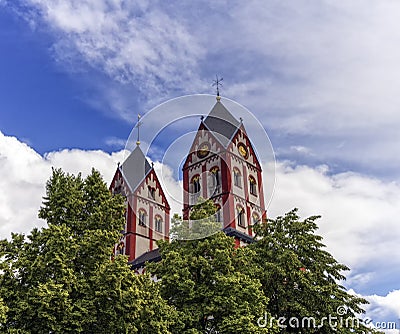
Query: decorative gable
[[119, 184], [151, 190], [203, 147], [242, 147]]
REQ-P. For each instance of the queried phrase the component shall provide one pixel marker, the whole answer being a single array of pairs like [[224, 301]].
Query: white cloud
[[359, 216], [385, 307], [171, 187], [300, 149], [132, 42], [79, 161], [382, 312], [343, 55], [24, 174], [327, 74], [22, 185], [115, 142], [320, 75], [324, 75]]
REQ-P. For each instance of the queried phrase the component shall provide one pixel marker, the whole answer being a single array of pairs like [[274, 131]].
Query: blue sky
[[322, 78], [39, 94], [289, 67]]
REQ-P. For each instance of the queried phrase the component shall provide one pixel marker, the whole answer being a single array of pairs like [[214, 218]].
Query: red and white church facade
[[221, 165], [147, 210]]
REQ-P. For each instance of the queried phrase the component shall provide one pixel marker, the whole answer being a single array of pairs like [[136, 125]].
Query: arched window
[[216, 176], [214, 183], [195, 184], [217, 215], [194, 189], [240, 216], [151, 192], [142, 217], [256, 218], [237, 178], [253, 185], [158, 223], [120, 248]]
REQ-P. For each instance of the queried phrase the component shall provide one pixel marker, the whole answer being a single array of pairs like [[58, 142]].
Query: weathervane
[[217, 83], [138, 124]]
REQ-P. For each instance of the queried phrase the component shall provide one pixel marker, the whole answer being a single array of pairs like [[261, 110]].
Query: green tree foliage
[[209, 283], [3, 313], [62, 279], [300, 277], [200, 225]]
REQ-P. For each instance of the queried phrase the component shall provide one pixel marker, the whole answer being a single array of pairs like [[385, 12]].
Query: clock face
[[243, 150], [204, 149]]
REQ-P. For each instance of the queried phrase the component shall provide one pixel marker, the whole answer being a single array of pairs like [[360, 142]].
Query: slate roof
[[232, 232], [150, 256], [135, 168], [221, 123]]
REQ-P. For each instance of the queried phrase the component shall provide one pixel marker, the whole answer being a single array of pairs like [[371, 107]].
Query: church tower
[[222, 166], [147, 211]]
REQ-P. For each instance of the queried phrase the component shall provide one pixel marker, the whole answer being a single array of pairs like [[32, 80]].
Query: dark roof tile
[[150, 256], [221, 123], [135, 168], [232, 232]]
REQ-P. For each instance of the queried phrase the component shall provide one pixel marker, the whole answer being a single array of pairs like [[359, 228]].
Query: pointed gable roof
[[135, 168], [221, 123]]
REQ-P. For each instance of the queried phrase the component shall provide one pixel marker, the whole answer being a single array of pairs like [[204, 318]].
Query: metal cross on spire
[[217, 82], [138, 124]]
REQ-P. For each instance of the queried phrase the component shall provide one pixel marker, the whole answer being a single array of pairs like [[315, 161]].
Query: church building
[[221, 165], [147, 211]]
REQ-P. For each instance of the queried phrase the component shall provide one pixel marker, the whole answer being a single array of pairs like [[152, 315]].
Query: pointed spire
[[221, 123], [135, 167], [138, 124]]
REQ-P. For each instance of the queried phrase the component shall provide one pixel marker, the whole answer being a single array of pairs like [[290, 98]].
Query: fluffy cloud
[[22, 184], [132, 42], [385, 307], [359, 217], [343, 57], [312, 70], [171, 187], [24, 174], [309, 71], [327, 77], [383, 312]]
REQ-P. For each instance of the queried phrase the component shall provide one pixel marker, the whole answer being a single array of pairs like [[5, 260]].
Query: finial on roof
[[217, 83], [152, 164], [118, 164], [201, 117], [138, 124], [241, 120]]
